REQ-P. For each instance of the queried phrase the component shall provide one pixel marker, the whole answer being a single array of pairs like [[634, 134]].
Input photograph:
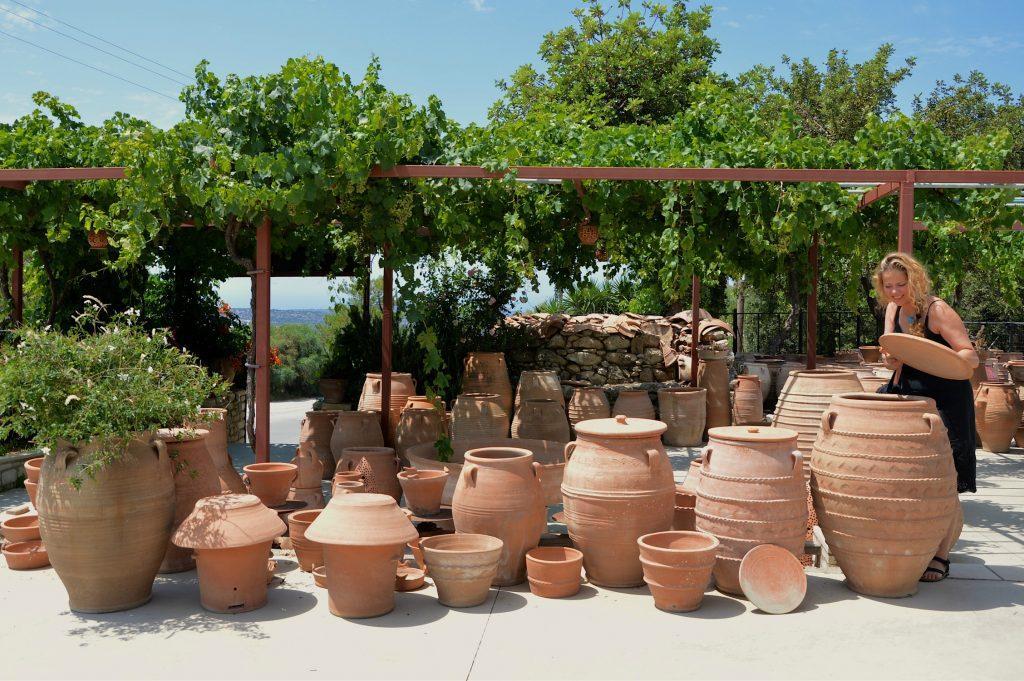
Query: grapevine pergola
[[875, 185]]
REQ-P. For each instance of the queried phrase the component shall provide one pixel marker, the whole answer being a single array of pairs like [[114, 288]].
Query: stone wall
[[235, 404], [12, 468]]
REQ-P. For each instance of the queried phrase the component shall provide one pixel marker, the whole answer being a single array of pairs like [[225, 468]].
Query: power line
[[100, 49], [103, 40], [94, 68]]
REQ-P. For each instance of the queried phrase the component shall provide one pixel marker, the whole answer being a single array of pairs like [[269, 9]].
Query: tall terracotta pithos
[[713, 376], [317, 429], [478, 416], [684, 411], [403, 386], [539, 385], [884, 489], [382, 468], [617, 486], [997, 413], [499, 494], [306, 486], [486, 372], [541, 419], [746, 405], [217, 446], [764, 377], [355, 429], [588, 403], [634, 404], [417, 425], [195, 477], [106, 538], [751, 492]]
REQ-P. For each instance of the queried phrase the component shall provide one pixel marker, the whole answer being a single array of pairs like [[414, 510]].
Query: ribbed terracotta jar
[[683, 410], [499, 494], [355, 429], [416, 425], [588, 403], [713, 376], [486, 372], [997, 414], [478, 416], [195, 477], [379, 466], [106, 538], [764, 377], [461, 565], [677, 567], [317, 429], [554, 571], [751, 492], [634, 404], [746, 405], [539, 385], [884, 489], [403, 386], [306, 486], [217, 446], [617, 486], [541, 419]]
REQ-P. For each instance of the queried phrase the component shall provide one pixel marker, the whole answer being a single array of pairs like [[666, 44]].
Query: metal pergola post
[[694, 327], [812, 305], [905, 243], [261, 341]]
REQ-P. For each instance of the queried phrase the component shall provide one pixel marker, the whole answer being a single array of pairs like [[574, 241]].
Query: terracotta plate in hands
[[925, 355]]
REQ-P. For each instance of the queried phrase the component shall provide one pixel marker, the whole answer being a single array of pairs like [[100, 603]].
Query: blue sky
[[455, 49]]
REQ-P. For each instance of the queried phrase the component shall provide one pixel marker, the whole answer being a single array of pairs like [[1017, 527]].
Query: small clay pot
[[423, 490], [870, 353], [417, 553], [31, 488], [462, 566], [554, 571], [20, 528], [351, 476], [32, 468], [26, 555], [270, 481], [320, 576], [347, 487], [677, 567], [308, 553], [409, 577]]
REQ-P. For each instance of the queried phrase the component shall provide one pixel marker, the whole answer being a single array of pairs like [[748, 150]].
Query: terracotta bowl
[[20, 528], [409, 577], [33, 467], [320, 576], [554, 571], [26, 555]]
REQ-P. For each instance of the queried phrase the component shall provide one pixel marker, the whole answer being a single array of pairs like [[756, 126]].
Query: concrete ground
[[966, 626]]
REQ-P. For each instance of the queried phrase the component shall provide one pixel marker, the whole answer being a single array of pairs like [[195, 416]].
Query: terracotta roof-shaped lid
[[926, 355], [621, 426], [752, 433], [227, 521], [362, 520]]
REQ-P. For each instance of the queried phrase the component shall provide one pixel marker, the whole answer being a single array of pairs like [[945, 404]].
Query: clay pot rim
[[393, 374], [864, 400], [374, 450], [176, 435], [753, 434], [270, 467], [477, 396], [21, 522], [422, 474], [621, 426], [36, 463], [869, 347], [348, 484], [497, 455], [686, 389], [823, 373], [998, 384], [323, 412], [657, 541], [472, 543], [569, 555], [299, 517]]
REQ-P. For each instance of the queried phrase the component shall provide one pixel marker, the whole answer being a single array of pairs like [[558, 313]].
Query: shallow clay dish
[[26, 555], [20, 528], [926, 355], [409, 578], [773, 579]]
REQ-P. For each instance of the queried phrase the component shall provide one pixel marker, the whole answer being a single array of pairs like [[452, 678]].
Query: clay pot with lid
[[554, 571], [751, 492], [195, 477], [499, 494], [416, 425], [677, 567], [478, 416], [587, 404], [997, 414], [306, 486], [355, 429], [423, 490], [270, 481], [884, 489], [683, 410], [634, 404], [379, 468], [107, 537], [541, 419], [308, 553], [746, 405], [231, 535], [463, 566], [539, 385], [364, 537], [317, 429], [617, 487], [217, 447], [487, 372]]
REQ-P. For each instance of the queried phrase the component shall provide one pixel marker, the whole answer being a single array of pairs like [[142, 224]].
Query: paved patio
[[967, 626]]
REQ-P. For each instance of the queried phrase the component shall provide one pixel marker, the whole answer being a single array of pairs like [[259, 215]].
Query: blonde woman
[[902, 283]]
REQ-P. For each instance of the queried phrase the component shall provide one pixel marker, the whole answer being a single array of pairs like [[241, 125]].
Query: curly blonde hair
[[919, 285]]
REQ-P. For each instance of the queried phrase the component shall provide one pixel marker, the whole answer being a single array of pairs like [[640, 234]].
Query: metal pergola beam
[[877, 193], [60, 174]]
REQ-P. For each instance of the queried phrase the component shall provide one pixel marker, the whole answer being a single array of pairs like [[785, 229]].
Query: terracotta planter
[[320, 576], [416, 425], [486, 372], [355, 429], [32, 489], [884, 489], [333, 389], [231, 535], [347, 487], [684, 518], [306, 486], [871, 353], [107, 538], [713, 376], [539, 385], [217, 448], [997, 414], [364, 536], [308, 553], [403, 386], [499, 494], [617, 486], [541, 419], [463, 566], [683, 410], [478, 416], [195, 477], [270, 481], [746, 405], [32, 469], [764, 377], [316, 431], [423, 490], [554, 571], [677, 567], [379, 467], [588, 403], [751, 492], [20, 528], [26, 555]]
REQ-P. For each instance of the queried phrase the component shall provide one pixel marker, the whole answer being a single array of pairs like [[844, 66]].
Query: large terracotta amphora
[[379, 467], [403, 386], [317, 429], [106, 537], [355, 429], [747, 409], [683, 410], [541, 419], [588, 403], [486, 372], [713, 376], [416, 425], [884, 489], [997, 413], [194, 478], [764, 377], [617, 487], [634, 404], [478, 416], [499, 494], [217, 446], [751, 491], [539, 385]]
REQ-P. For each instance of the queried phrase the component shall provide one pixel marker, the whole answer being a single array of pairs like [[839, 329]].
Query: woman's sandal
[[942, 573]]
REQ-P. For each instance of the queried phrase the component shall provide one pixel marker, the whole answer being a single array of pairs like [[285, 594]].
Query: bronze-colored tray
[[925, 355]]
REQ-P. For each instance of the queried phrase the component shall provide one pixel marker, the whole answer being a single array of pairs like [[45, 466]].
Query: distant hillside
[[307, 317]]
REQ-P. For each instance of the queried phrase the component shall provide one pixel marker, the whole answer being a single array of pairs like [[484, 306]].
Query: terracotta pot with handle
[[217, 446], [997, 414], [316, 430], [270, 481], [195, 477], [541, 419]]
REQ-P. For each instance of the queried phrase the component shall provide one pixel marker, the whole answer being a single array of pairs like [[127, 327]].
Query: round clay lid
[[228, 521], [365, 519], [622, 426], [926, 355], [773, 579], [752, 433]]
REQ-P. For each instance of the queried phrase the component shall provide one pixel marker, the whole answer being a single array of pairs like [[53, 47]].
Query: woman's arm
[[890, 326], [944, 321]]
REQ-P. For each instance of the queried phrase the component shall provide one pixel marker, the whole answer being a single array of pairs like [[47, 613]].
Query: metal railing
[[1007, 336]]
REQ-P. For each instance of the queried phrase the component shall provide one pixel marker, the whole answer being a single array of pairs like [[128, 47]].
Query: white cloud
[[160, 112], [12, 16], [732, 24], [479, 5]]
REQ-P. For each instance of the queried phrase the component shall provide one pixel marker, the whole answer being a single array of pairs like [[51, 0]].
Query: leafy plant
[[302, 353]]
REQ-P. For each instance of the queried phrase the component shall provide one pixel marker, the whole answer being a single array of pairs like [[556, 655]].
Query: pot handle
[[537, 469], [979, 410], [398, 465], [934, 420], [828, 419], [569, 449], [653, 454], [469, 474], [798, 463], [706, 455], [161, 449], [63, 456]]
